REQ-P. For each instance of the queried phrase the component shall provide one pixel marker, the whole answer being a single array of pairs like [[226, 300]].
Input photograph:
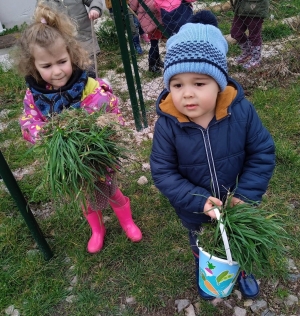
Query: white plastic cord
[[224, 237]]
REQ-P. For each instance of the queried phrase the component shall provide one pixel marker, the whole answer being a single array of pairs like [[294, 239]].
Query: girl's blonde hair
[[48, 25]]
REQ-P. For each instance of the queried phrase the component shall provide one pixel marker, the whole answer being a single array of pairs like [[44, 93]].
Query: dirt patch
[[8, 40]]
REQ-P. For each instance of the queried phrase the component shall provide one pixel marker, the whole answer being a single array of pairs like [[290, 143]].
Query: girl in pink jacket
[[54, 64], [154, 34]]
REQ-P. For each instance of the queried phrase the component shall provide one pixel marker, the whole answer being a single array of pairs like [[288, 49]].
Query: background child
[[174, 13], [133, 27], [207, 136], [249, 15], [77, 11], [53, 64], [154, 34]]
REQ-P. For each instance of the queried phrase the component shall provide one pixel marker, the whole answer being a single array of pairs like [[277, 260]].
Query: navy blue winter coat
[[190, 163]]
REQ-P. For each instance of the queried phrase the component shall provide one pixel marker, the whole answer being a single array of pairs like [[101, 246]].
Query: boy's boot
[[124, 216], [254, 62], [201, 293], [153, 59], [96, 223], [159, 63], [137, 45], [155, 69], [246, 53], [248, 285]]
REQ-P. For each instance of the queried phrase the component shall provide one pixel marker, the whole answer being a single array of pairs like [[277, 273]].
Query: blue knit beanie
[[198, 48]]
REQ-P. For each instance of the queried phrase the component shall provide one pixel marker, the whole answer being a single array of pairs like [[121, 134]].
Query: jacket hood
[[232, 93]]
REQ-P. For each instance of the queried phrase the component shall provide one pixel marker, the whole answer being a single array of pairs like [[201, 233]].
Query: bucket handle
[[224, 237]]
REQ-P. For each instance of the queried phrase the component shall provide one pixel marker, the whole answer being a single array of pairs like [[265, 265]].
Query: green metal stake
[[126, 62], [134, 63], [23, 206]]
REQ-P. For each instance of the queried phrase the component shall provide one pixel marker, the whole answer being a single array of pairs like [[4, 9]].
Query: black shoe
[[248, 285], [160, 63], [155, 69]]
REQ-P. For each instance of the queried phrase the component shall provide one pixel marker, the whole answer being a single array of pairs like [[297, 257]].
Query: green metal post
[[134, 63], [23, 206], [126, 61]]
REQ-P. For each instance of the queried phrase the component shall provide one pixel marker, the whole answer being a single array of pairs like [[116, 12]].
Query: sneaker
[[145, 38], [248, 285]]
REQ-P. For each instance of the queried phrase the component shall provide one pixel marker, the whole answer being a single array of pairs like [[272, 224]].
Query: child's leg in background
[[153, 56], [238, 32], [254, 26], [135, 33], [134, 30], [155, 62]]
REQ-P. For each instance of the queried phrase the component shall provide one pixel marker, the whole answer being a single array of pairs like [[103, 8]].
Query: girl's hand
[[210, 204], [93, 15]]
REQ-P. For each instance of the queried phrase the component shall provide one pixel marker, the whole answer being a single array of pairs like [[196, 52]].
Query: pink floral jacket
[[96, 93]]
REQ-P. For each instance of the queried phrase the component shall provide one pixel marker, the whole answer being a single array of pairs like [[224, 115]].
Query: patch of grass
[[271, 32], [107, 36], [282, 293]]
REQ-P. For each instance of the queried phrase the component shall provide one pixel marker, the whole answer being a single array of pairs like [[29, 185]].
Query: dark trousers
[[153, 52], [239, 26], [194, 230]]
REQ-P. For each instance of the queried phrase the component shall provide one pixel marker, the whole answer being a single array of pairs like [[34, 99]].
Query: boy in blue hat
[[207, 136]]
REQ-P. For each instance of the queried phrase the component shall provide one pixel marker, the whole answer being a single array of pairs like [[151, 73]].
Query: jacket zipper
[[210, 159]]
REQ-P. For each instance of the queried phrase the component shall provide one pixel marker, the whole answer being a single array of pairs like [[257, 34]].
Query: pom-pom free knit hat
[[198, 48]]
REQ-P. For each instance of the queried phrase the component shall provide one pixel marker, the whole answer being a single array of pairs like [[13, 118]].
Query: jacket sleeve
[[182, 194], [32, 120], [101, 96], [259, 162], [94, 4]]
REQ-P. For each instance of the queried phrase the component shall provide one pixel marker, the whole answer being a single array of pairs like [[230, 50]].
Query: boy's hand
[[93, 15], [210, 204]]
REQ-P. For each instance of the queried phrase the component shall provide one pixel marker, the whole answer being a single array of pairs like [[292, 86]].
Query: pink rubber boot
[[96, 223], [124, 216]]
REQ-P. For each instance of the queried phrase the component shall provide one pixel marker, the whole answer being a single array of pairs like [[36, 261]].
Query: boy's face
[[53, 63], [195, 95]]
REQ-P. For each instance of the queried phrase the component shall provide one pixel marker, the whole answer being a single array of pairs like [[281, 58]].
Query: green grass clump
[[272, 32], [79, 152], [256, 237]]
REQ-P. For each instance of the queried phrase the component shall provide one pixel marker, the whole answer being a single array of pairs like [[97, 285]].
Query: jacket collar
[[224, 100]]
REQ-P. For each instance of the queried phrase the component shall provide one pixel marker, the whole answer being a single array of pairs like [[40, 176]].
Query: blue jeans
[[194, 230]]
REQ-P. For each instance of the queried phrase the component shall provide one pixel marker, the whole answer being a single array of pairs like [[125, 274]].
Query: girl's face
[[53, 63], [195, 96]]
